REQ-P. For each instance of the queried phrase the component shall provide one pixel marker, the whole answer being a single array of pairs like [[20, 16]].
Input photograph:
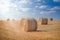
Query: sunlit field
[[11, 30]]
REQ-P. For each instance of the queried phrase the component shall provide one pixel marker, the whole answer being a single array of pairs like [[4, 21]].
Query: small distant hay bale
[[29, 24], [8, 19], [43, 21], [13, 19], [51, 19]]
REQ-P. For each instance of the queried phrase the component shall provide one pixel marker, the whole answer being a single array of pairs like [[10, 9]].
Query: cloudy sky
[[17, 9]]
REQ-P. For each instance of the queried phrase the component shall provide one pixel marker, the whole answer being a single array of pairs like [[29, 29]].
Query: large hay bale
[[29, 24], [43, 21]]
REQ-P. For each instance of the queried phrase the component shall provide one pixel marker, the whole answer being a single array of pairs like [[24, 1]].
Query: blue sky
[[17, 9]]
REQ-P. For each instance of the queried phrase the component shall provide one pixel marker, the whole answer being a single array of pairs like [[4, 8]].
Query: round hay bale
[[43, 21], [29, 24], [51, 19], [13, 19], [8, 19]]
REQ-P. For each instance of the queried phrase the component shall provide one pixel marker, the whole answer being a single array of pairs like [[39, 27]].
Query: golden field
[[11, 30]]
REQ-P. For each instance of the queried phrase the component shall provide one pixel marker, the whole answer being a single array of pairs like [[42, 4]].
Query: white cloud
[[47, 12], [41, 1], [36, 6], [24, 9], [55, 8], [24, 1], [56, 0], [4, 6], [13, 5], [38, 0], [41, 7], [11, 10]]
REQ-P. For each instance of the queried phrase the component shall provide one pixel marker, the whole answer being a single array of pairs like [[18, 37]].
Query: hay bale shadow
[[38, 31]]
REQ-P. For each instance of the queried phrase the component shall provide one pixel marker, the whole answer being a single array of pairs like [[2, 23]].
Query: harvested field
[[11, 30]]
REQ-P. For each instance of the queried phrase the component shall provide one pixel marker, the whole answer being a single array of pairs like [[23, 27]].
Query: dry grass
[[11, 30]]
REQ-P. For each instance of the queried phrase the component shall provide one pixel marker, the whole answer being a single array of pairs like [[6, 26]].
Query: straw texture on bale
[[43, 21], [29, 24]]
